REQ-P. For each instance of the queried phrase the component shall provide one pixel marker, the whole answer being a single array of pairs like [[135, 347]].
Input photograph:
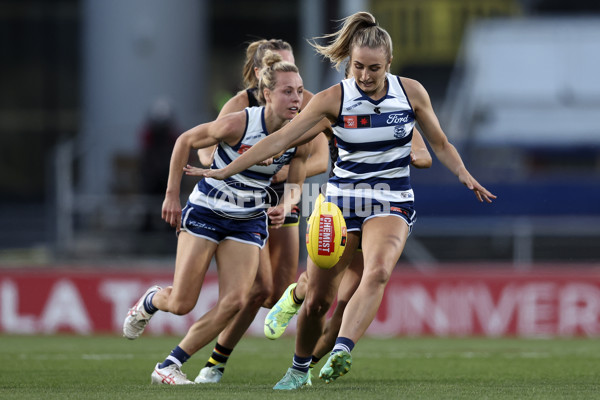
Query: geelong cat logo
[[399, 131]]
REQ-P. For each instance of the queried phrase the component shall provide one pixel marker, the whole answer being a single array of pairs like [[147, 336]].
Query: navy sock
[[343, 343], [314, 361], [177, 356], [301, 363], [150, 309]]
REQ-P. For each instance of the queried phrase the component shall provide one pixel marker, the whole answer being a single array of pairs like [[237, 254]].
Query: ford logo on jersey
[[395, 119]]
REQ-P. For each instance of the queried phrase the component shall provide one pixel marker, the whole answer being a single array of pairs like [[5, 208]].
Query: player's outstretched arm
[[321, 106]]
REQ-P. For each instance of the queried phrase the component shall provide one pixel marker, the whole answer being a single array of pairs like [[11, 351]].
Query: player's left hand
[[194, 171], [276, 216], [219, 174], [480, 192]]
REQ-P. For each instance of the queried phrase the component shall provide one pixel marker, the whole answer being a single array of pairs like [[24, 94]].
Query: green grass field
[[110, 367]]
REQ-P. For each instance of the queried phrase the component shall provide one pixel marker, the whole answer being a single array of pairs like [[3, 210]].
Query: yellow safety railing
[[430, 31]]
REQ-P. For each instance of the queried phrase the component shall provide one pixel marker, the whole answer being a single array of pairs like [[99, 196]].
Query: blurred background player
[[158, 136]]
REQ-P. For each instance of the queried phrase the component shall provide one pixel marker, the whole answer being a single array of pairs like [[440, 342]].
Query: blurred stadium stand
[[514, 82], [522, 107]]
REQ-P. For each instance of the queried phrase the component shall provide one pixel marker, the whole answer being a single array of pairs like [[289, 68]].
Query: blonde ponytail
[[359, 29], [254, 55]]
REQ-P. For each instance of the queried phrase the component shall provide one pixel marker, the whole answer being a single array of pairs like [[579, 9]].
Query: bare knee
[[316, 307], [274, 295], [229, 306], [261, 295], [269, 302], [378, 275], [180, 307]]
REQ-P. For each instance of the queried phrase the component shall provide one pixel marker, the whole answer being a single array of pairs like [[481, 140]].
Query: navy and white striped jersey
[[242, 194], [374, 142]]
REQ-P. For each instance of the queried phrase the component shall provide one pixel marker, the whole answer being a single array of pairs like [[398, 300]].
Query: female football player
[[278, 319], [373, 114], [223, 219]]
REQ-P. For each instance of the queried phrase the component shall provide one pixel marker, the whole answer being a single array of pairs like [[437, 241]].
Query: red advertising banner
[[448, 302]]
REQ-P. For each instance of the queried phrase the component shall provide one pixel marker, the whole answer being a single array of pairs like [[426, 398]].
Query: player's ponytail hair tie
[[370, 24]]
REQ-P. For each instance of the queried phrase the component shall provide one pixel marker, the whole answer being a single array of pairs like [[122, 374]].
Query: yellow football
[[325, 234]]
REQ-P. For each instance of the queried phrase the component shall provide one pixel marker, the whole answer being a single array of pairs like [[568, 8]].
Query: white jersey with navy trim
[[242, 194], [374, 142]]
